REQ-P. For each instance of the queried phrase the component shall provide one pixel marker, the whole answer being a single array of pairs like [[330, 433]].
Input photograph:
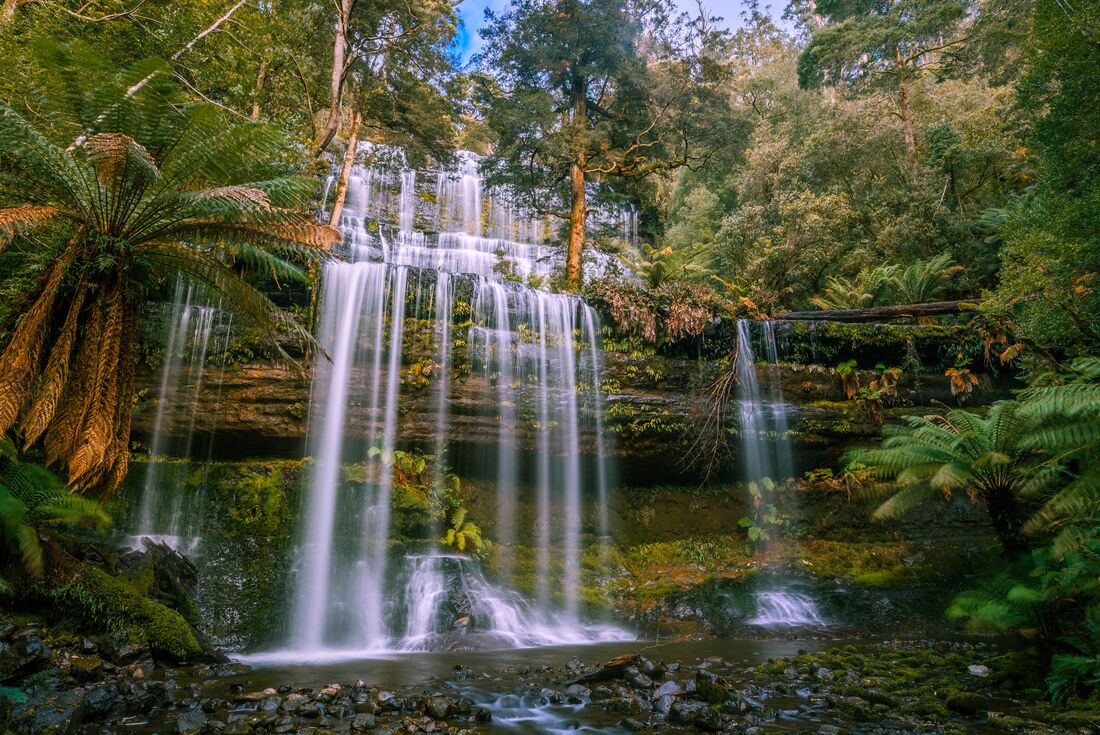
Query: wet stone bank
[[112, 685]]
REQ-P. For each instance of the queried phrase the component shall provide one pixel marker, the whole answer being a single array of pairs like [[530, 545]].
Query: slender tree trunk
[[1004, 511], [577, 217], [578, 213], [345, 172], [905, 112], [257, 91], [7, 11], [336, 83]]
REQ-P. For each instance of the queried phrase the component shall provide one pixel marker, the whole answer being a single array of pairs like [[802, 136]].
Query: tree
[[1050, 255], [987, 458], [158, 189], [589, 91], [393, 55], [887, 43]]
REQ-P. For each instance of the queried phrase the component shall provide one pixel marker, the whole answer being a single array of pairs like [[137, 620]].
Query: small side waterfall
[[766, 453], [785, 608], [167, 511], [465, 273]]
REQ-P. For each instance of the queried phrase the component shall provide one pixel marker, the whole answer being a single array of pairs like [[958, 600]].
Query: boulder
[[684, 712], [58, 713], [440, 708], [191, 721], [23, 653]]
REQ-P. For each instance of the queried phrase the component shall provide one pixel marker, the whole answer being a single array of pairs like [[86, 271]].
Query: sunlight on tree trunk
[[7, 12], [345, 171], [258, 90], [336, 83], [577, 216]]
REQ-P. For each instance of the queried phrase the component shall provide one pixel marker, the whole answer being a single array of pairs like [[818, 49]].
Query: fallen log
[[613, 669], [881, 313]]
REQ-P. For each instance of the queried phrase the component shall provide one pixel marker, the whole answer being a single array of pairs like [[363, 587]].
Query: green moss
[[108, 603], [260, 505]]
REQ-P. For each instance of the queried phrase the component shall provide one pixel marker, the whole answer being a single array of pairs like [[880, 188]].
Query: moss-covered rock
[[100, 601]]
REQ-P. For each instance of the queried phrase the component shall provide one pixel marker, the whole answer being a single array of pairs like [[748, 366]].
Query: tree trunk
[[1004, 511], [345, 172], [879, 313], [7, 11], [336, 83], [577, 218], [258, 89], [905, 112], [578, 213]]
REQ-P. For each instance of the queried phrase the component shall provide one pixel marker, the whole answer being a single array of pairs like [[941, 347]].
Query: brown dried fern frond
[[20, 361], [15, 220], [119, 454], [55, 375], [64, 431], [86, 461], [111, 153]]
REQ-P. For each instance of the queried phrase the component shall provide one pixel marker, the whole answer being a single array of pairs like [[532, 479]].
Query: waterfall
[[785, 608], [766, 453], [167, 511], [538, 353]]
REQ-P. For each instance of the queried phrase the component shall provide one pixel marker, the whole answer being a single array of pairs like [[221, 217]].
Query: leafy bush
[[34, 501]]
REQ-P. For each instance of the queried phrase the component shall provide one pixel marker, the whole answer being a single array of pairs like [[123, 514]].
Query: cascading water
[[785, 608], [766, 453], [522, 342], [168, 512]]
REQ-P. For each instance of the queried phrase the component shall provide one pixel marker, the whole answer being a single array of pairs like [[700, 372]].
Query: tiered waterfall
[[431, 247]]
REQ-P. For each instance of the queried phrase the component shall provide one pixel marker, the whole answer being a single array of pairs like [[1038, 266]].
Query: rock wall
[[653, 408]]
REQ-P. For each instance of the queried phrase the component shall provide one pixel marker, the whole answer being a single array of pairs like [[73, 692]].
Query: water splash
[[782, 608], [766, 453]]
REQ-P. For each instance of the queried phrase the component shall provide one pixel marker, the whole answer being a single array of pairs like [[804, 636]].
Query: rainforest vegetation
[[912, 187]]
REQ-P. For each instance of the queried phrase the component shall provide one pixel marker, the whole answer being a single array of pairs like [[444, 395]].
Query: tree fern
[[130, 191], [923, 280], [984, 457]]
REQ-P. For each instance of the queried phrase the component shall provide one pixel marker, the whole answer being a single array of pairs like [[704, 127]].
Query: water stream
[[766, 457], [433, 247], [167, 512]]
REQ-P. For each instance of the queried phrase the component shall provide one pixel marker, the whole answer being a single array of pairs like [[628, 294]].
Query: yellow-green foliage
[[108, 603], [259, 502]]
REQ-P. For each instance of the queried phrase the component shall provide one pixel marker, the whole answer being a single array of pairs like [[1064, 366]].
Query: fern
[[33, 501]]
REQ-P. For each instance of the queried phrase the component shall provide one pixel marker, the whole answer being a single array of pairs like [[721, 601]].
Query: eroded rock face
[[652, 413]]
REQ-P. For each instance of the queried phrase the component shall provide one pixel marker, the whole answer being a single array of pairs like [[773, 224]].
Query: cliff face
[[654, 406]]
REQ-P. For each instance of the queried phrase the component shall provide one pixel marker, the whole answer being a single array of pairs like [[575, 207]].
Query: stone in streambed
[[362, 721], [440, 708], [237, 727], [59, 713], [191, 721], [709, 687], [86, 668], [123, 647], [685, 711], [577, 694], [668, 689], [708, 720], [100, 700], [967, 703]]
